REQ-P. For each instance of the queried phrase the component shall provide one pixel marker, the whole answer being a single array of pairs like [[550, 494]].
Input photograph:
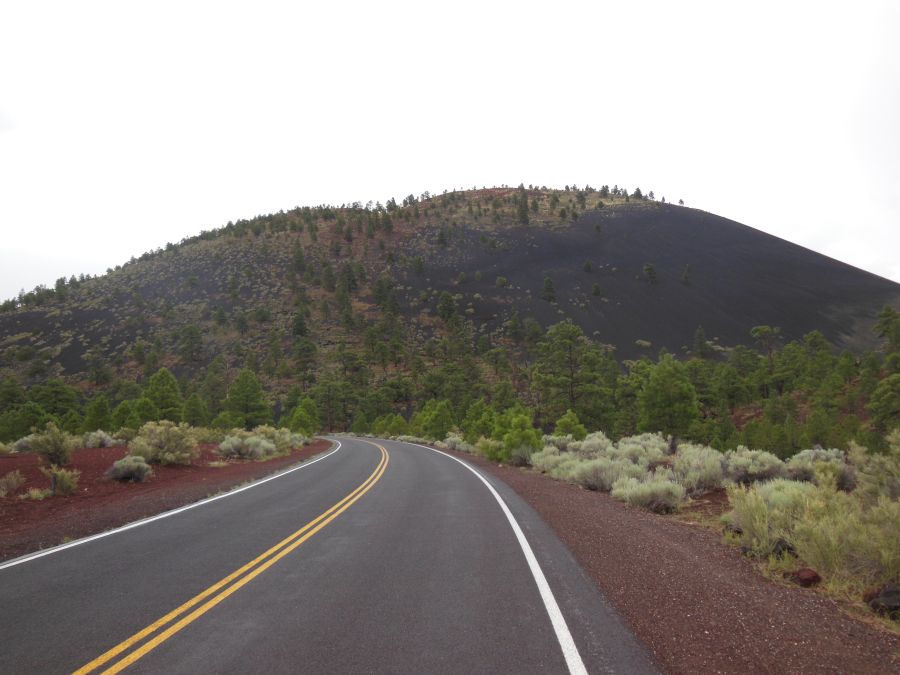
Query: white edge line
[[159, 516], [566, 642]]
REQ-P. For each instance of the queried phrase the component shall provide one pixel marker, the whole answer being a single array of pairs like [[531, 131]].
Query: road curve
[[376, 559]]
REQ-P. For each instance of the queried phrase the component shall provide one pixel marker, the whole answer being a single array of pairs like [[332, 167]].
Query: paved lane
[[407, 563]]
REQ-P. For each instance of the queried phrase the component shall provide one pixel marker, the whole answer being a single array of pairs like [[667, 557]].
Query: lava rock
[[807, 577], [886, 601], [783, 548]]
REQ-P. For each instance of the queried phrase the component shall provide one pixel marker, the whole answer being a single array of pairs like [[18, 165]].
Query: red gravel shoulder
[[700, 606], [101, 504]]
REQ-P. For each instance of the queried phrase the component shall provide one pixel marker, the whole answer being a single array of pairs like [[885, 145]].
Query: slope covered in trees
[[481, 307]]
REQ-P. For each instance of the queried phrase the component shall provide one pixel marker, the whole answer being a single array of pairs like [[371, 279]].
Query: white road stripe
[[566, 642], [159, 516]]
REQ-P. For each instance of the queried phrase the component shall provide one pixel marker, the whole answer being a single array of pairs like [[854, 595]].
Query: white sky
[[126, 125]]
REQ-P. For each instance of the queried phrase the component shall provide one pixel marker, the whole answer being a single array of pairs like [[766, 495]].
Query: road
[[380, 557]]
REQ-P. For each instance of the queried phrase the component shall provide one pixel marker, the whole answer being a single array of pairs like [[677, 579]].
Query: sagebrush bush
[[698, 467], [877, 474], [765, 513], [558, 442], [849, 544], [283, 439], [54, 445], [11, 482], [126, 434], [545, 459], [164, 443], [406, 438], [643, 449], [99, 439], [657, 493], [36, 494], [595, 444], [23, 444], [815, 464], [746, 466], [246, 445], [456, 442], [602, 473], [130, 468], [491, 449], [208, 435], [62, 481]]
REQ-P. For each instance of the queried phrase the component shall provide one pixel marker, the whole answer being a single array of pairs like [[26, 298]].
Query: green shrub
[[164, 443], [698, 468], [54, 445], [5, 449], [406, 438], [130, 468], [491, 449], [521, 441], [602, 473], [244, 445], [11, 482], [99, 439], [765, 513], [746, 466], [569, 425], [63, 482], [816, 464], [657, 493]]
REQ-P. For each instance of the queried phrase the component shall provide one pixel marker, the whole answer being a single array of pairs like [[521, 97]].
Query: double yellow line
[[222, 589]]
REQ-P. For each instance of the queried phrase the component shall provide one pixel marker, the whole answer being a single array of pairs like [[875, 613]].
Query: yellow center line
[[285, 546]]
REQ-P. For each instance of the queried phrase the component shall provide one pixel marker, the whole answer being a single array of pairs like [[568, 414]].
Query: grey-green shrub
[[595, 444], [657, 493], [766, 512], [456, 442], [698, 467], [878, 474], [816, 464], [602, 473], [283, 439], [746, 466], [130, 468], [246, 446], [23, 444], [4, 448], [99, 439], [11, 482], [63, 482], [164, 443], [848, 542], [53, 444], [558, 442], [406, 438], [208, 434], [642, 449]]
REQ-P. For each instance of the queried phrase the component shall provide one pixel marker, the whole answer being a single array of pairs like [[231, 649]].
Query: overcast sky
[[127, 125]]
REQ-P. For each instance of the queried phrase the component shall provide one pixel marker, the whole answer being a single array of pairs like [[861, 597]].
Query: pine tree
[[164, 392], [245, 401], [97, 415], [668, 401], [195, 411]]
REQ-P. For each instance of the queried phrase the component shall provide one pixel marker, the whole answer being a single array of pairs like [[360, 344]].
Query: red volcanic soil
[[100, 503]]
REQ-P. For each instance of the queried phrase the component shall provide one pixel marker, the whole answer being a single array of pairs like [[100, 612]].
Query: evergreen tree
[[97, 415], [568, 424], [246, 402], [668, 402], [549, 292], [164, 392], [195, 412]]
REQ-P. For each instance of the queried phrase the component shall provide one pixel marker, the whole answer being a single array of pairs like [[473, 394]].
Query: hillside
[[235, 292]]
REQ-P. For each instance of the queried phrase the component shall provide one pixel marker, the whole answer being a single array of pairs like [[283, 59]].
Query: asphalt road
[[369, 560]]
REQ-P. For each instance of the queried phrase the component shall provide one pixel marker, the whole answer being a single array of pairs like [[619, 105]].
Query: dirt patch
[[698, 605], [100, 504]]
